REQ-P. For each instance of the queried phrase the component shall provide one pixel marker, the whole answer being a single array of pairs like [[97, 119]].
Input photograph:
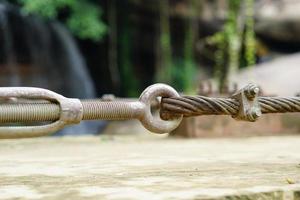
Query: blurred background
[[88, 48]]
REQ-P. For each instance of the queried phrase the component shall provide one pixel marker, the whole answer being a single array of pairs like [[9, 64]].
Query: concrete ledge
[[150, 168], [225, 126]]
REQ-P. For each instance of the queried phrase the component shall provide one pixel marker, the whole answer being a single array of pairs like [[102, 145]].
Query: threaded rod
[[92, 110]]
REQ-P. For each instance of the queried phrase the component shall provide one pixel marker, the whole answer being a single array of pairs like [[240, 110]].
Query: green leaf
[[84, 19]]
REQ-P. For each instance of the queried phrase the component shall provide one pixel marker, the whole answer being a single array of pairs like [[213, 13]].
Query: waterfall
[[76, 71], [43, 54], [8, 50]]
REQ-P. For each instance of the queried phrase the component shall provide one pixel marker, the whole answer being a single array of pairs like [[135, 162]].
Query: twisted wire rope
[[200, 105]]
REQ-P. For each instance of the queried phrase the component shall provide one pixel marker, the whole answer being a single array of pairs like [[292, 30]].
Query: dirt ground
[[152, 167]]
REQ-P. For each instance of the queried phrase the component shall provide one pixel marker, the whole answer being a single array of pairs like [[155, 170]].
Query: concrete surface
[[152, 167]]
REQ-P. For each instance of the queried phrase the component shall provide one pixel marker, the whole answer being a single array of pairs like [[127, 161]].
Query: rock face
[[277, 77], [278, 20]]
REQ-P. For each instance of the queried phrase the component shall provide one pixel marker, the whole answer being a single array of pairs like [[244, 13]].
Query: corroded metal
[[244, 105], [31, 105], [70, 111], [19, 103], [155, 123], [249, 109]]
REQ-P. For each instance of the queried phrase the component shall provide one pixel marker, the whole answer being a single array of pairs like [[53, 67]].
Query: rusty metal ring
[[155, 123]]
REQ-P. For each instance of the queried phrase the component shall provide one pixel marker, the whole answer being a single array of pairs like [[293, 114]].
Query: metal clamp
[[71, 111], [249, 109]]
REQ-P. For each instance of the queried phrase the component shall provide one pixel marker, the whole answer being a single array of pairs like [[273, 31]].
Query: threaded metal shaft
[[110, 110], [29, 112], [42, 112]]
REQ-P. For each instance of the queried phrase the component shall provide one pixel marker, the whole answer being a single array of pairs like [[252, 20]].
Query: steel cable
[[200, 105]]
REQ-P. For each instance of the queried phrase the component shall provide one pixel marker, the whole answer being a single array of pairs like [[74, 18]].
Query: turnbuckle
[[23, 105], [72, 111]]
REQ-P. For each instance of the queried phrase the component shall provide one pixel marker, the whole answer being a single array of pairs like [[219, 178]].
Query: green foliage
[[164, 68], [181, 72], [220, 57], [189, 71], [183, 75], [83, 19], [232, 34], [129, 81], [250, 50], [230, 40]]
